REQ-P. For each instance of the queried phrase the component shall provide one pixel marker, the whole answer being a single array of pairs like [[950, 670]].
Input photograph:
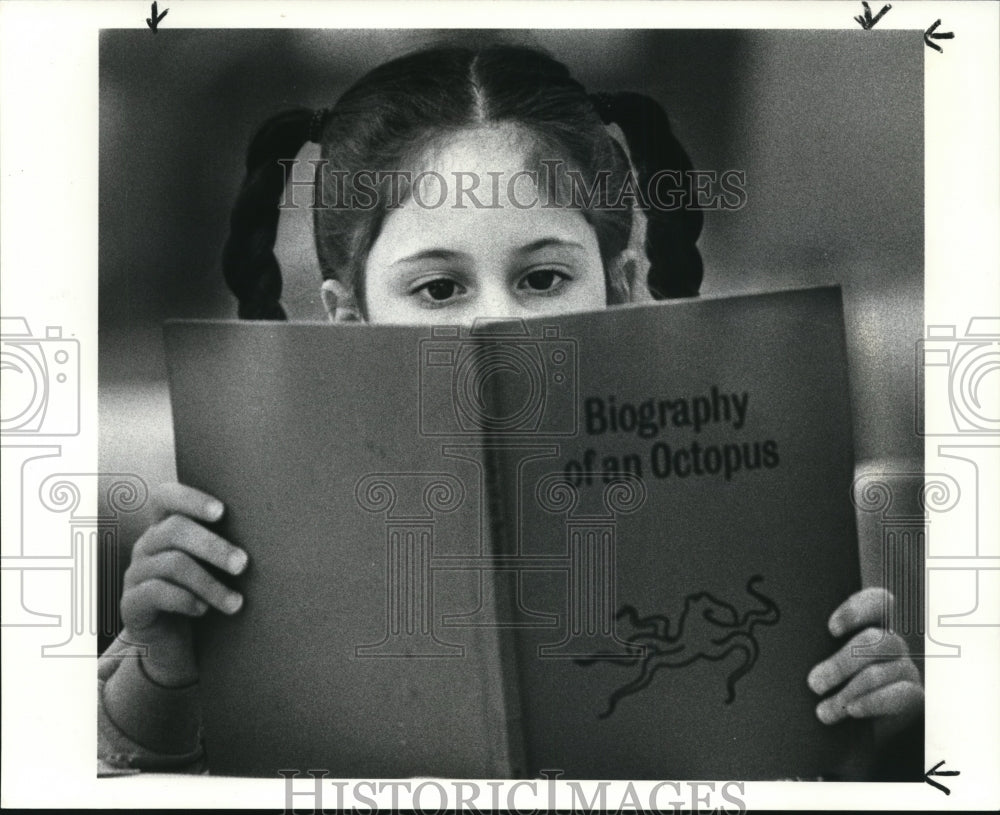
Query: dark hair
[[399, 109]]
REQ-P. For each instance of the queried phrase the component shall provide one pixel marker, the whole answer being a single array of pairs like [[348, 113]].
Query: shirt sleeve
[[142, 725]]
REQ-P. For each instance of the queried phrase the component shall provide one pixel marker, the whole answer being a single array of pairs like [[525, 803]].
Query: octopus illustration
[[707, 628]]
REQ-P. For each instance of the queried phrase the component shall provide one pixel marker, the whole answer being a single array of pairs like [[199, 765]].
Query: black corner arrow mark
[[154, 21], [934, 771], [930, 35], [867, 21]]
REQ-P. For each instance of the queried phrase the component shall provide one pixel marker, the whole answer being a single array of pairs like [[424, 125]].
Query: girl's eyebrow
[[544, 243], [452, 254], [432, 254]]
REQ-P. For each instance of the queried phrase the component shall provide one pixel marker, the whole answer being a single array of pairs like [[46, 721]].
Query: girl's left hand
[[884, 681]]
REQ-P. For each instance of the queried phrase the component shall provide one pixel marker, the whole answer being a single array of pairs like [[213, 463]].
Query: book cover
[[680, 554], [605, 544], [307, 433]]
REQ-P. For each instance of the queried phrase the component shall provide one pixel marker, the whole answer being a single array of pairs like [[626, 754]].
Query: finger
[[174, 498], [142, 604], [182, 570], [891, 700], [867, 681], [878, 643], [871, 606], [180, 532]]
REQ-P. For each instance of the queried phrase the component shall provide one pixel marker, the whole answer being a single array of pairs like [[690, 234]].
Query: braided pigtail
[[672, 232], [248, 262]]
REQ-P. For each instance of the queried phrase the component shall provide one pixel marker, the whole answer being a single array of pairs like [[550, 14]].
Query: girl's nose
[[498, 304]]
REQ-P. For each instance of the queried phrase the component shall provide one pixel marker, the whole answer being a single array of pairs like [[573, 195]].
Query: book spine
[[501, 529]]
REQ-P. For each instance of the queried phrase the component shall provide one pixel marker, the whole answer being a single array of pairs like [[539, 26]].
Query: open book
[[602, 543]]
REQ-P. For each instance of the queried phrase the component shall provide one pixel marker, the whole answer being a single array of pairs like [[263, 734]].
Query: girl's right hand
[[167, 583]]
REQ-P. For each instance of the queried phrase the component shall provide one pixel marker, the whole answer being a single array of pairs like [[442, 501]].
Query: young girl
[[454, 184]]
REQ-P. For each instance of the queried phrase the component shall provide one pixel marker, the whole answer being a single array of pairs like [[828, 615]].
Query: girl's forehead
[[502, 166], [476, 192], [505, 148], [503, 226]]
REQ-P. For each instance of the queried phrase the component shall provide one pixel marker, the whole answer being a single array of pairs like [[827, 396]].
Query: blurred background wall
[[828, 127]]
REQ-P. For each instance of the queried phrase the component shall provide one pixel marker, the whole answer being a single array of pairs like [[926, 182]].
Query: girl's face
[[509, 257]]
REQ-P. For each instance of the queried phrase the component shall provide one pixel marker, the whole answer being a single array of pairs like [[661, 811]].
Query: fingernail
[[836, 626], [818, 680], [237, 561], [233, 602], [826, 712], [215, 509], [200, 607]]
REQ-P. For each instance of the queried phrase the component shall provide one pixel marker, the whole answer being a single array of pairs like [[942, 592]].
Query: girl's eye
[[543, 280], [439, 290]]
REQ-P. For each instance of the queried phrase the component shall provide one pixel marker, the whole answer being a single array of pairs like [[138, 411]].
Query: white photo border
[[48, 257]]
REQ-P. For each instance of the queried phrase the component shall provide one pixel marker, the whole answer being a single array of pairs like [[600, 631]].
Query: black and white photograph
[[452, 415]]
